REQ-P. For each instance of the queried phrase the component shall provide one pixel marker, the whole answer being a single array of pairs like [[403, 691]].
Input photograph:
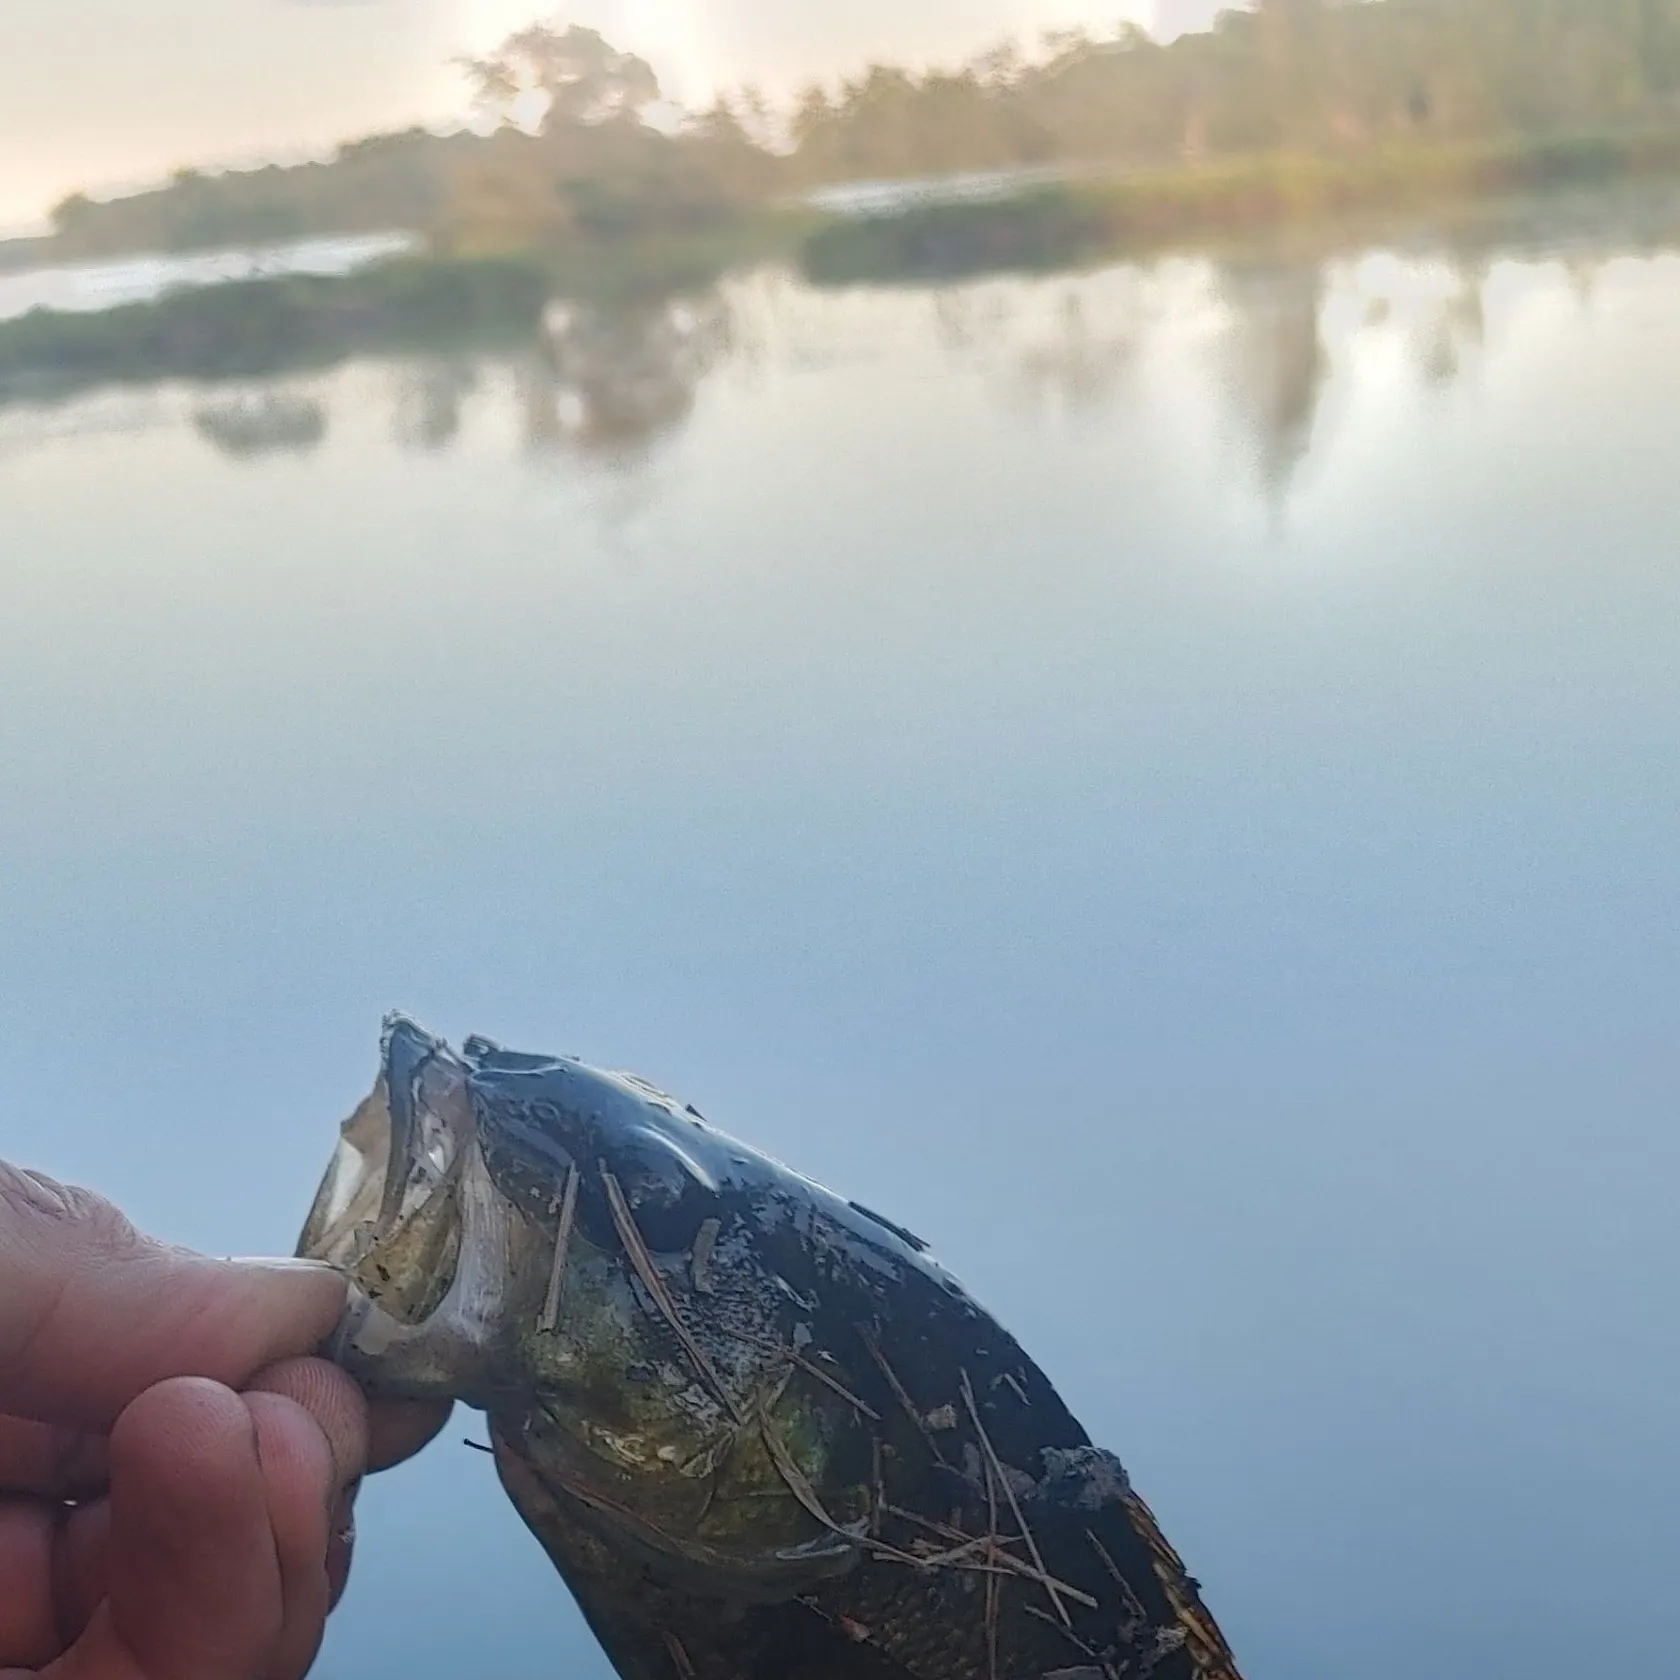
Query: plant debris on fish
[[761, 1432]]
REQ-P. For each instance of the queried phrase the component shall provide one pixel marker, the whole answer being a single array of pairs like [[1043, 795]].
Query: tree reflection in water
[[1064, 345], [430, 396], [268, 422], [611, 381], [1275, 364], [1259, 332], [1454, 328]]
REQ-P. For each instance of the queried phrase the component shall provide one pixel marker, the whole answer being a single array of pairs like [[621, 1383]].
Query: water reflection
[[275, 422], [610, 381], [1266, 333], [610, 385], [429, 401], [1456, 328], [1064, 346], [1276, 364]]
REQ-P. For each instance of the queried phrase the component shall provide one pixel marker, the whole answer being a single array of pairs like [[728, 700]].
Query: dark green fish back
[[1002, 1545], [1023, 1549]]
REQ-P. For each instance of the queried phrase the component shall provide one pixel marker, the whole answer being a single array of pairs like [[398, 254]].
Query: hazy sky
[[109, 92]]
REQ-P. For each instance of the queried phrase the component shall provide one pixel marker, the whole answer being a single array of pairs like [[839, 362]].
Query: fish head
[[584, 1259]]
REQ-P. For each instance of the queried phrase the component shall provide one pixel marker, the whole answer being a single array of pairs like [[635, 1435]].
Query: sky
[[104, 94]]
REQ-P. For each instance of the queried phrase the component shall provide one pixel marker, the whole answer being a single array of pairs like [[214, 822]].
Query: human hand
[[176, 1478]]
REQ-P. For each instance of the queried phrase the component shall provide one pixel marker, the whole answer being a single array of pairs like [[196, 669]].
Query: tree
[[811, 116], [72, 214], [999, 68], [582, 77]]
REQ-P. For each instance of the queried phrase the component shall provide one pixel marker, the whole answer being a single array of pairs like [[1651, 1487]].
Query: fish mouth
[[401, 1206], [451, 1266]]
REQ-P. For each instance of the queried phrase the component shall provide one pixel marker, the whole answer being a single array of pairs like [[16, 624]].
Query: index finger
[[92, 1314]]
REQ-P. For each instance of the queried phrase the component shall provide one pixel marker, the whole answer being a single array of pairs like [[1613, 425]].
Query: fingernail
[[284, 1265]]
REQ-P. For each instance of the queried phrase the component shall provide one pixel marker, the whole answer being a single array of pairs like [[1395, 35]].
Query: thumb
[[92, 1314]]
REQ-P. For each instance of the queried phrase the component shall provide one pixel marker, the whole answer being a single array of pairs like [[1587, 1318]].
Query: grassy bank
[[658, 265], [1052, 227], [256, 327], [439, 303], [465, 301]]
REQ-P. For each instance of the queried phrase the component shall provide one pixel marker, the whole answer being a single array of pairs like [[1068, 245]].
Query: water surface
[[78, 288], [1163, 779]]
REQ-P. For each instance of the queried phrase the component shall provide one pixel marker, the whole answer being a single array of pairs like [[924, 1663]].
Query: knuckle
[[40, 1210], [50, 1233], [34, 1194]]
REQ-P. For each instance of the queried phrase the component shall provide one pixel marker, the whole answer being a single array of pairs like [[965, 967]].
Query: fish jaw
[[409, 1211]]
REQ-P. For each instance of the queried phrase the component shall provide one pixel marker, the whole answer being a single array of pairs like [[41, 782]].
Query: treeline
[[594, 172], [1288, 75], [1302, 76], [464, 192]]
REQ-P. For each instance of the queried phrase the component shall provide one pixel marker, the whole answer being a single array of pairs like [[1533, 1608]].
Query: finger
[[51, 1463], [398, 1429], [194, 1580], [94, 1314], [81, 1575], [52, 1577], [394, 1430], [30, 1636], [304, 1498], [177, 1460], [340, 1410], [333, 1400]]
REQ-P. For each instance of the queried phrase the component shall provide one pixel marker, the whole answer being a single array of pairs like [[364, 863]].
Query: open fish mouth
[[526, 1255], [408, 1212]]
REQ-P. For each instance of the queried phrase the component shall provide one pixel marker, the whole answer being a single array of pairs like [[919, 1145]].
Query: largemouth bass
[[760, 1431]]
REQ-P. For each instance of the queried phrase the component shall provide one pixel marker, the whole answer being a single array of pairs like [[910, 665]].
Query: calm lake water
[[82, 287], [1166, 780]]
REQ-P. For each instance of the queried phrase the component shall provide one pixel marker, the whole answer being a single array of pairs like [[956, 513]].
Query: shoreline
[[247, 328], [1143, 211]]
